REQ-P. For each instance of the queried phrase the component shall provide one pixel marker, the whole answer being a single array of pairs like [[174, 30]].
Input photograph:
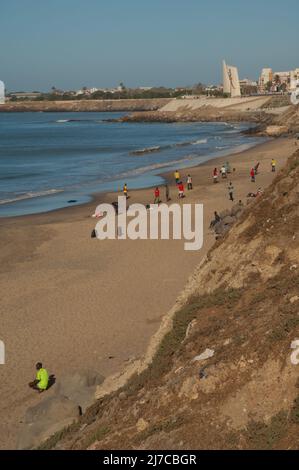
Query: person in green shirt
[[42, 378]]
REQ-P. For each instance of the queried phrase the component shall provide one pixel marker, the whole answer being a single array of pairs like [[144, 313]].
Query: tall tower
[[2, 93], [231, 83]]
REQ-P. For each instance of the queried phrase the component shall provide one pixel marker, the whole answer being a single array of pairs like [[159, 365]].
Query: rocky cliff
[[221, 376]]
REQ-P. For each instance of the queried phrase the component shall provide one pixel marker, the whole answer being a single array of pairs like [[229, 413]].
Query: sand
[[74, 302]]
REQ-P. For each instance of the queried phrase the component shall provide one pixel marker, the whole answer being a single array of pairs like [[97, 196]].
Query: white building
[[2, 93], [231, 83]]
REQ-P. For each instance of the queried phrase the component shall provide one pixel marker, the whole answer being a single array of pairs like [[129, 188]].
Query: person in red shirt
[[157, 195], [181, 189], [252, 174]]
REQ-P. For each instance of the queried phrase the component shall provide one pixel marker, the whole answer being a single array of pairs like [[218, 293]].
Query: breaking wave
[[31, 195]]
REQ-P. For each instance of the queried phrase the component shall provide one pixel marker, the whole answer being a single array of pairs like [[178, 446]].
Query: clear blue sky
[[72, 43]]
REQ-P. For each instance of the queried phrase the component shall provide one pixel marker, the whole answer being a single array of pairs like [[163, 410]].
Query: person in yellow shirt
[[177, 176], [125, 190], [273, 164], [42, 378]]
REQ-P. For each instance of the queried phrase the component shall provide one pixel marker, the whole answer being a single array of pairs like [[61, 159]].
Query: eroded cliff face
[[222, 377]]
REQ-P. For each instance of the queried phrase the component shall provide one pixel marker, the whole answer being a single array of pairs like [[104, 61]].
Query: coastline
[[98, 300], [167, 176]]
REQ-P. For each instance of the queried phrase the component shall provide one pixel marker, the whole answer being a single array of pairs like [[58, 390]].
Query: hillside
[[242, 305]]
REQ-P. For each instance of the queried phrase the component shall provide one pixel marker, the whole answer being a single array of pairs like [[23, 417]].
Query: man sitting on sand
[[42, 379]]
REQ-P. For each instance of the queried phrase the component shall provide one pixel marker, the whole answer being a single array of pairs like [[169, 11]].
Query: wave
[[61, 121], [155, 166], [201, 141], [158, 148], [148, 150], [31, 195]]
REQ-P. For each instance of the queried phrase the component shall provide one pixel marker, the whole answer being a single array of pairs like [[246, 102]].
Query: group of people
[[179, 184], [224, 171]]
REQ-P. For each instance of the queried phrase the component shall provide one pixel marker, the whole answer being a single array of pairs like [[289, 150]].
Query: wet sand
[[74, 302]]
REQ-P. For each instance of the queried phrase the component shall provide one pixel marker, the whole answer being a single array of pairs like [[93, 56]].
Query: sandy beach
[[77, 303]]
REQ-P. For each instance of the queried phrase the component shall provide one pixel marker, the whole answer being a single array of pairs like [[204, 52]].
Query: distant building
[[25, 95], [231, 83], [246, 82], [294, 78], [265, 78], [278, 81], [2, 92]]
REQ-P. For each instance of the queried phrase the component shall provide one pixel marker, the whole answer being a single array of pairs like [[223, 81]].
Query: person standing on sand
[[215, 175], [189, 182], [157, 195], [273, 165], [177, 176], [252, 174], [181, 190], [231, 191], [42, 379], [167, 193], [125, 190], [223, 171]]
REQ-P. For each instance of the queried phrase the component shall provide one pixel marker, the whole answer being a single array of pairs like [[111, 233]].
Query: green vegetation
[[263, 436]]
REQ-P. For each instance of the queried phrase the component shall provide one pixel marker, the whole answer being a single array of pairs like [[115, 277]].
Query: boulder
[[43, 420], [220, 228], [229, 220], [79, 387], [224, 213], [236, 209], [276, 131]]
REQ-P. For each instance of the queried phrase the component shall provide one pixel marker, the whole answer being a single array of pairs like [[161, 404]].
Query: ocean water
[[49, 159]]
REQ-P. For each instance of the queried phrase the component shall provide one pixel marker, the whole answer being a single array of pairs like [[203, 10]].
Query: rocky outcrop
[[276, 131], [43, 420], [204, 114], [85, 105]]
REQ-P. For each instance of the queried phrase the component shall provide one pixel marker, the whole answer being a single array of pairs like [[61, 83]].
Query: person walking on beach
[[125, 190], [181, 190], [223, 171], [215, 175], [167, 193], [42, 379], [157, 195], [252, 174], [189, 182], [177, 176], [273, 165], [231, 191]]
